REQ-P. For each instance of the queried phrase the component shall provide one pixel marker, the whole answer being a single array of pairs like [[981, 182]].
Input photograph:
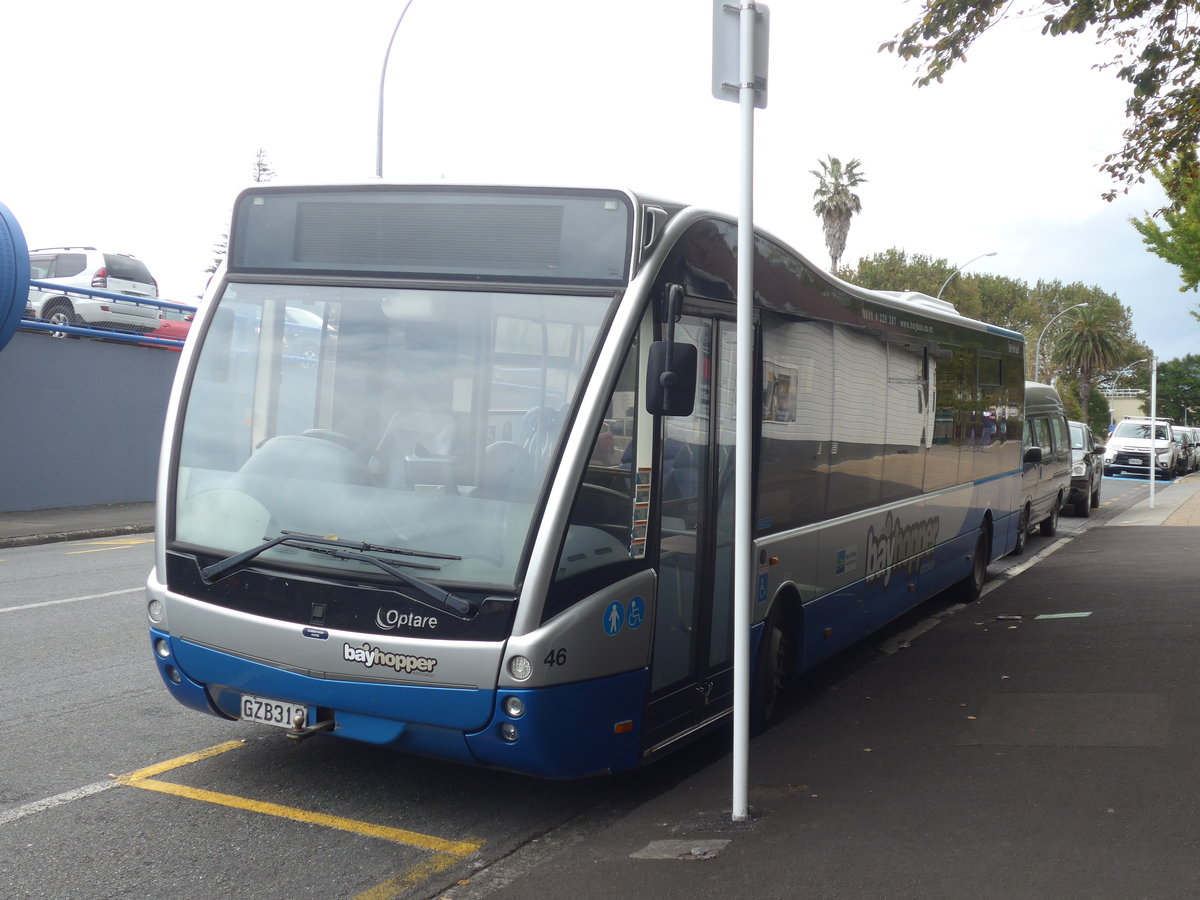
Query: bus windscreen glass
[[416, 419]]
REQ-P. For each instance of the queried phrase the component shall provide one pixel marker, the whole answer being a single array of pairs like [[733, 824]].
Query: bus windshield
[[419, 419]]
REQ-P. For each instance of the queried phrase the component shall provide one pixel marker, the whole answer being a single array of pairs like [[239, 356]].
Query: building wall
[[80, 421], [1121, 407]]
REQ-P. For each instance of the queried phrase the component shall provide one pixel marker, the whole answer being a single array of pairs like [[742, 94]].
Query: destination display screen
[[505, 234]]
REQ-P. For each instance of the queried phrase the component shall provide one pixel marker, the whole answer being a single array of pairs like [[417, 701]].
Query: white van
[[1046, 462]]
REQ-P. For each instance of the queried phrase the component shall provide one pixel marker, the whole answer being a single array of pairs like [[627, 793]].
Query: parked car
[[87, 267], [1130, 447], [1087, 470], [171, 329], [1046, 462], [1195, 433], [1186, 451]]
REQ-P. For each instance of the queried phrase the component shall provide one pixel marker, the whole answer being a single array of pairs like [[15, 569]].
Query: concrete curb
[[82, 534]]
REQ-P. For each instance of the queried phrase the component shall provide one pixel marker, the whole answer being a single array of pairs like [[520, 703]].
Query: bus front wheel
[[771, 672]]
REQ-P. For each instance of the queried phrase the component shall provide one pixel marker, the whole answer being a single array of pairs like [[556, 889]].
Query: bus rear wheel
[[971, 587]]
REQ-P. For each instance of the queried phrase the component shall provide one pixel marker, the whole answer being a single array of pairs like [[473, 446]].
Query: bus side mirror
[[1033, 455], [671, 379]]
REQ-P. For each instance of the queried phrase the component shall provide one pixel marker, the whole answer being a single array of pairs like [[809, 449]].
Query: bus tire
[[770, 671], [971, 587]]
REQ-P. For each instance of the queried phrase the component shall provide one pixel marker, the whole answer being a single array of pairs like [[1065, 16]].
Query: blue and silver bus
[[449, 469]]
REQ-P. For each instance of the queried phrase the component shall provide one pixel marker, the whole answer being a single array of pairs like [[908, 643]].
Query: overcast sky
[[141, 121]]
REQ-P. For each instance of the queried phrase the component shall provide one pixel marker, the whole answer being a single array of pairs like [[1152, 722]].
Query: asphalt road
[[83, 703], [238, 810]]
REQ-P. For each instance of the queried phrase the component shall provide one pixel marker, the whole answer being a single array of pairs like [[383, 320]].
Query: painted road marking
[[115, 544], [8, 609], [445, 852], [1078, 615], [38, 806]]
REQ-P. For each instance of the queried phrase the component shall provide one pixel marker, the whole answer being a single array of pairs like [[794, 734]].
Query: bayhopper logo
[[895, 543], [402, 662]]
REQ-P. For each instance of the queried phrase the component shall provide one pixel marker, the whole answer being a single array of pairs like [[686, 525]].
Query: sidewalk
[[1041, 743], [46, 526]]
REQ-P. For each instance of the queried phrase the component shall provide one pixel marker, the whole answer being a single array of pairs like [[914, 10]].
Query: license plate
[[1135, 460], [267, 711]]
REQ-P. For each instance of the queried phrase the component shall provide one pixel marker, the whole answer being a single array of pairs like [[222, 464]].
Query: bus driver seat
[[414, 448]]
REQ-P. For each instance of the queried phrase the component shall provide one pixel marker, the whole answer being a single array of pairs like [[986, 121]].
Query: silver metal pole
[[1153, 424], [382, 81], [744, 416]]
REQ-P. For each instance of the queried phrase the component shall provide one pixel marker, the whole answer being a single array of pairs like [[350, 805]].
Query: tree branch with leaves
[[1156, 50]]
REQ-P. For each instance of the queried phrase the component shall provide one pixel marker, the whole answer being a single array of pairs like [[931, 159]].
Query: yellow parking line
[[445, 853], [410, 878], [186, 760], [396, 835], [115, 544]]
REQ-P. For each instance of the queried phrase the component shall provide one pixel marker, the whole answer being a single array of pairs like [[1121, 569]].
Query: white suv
[[1130, 448], [87, 267]]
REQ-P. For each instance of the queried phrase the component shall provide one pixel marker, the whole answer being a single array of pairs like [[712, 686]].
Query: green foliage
[[1179, 242], [1007, 302], [1179, 388], [837, 203], [1099, 412], [1156, 50], [1089, 345]]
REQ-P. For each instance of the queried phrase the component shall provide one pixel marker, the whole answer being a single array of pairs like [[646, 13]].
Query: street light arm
[[1037, 351], [959, 269], [382, 80]]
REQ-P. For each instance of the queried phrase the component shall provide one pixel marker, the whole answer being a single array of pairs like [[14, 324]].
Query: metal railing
[[98, 331]]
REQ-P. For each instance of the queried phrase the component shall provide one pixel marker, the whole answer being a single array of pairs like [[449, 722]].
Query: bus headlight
[[508, 731], [520, 668], [154, 609], [162, 648]]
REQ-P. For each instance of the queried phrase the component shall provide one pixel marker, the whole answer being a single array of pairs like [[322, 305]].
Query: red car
[[171, 329]]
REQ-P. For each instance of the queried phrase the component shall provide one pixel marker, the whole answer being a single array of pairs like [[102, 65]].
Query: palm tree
[[1090, 344], [836, 203]]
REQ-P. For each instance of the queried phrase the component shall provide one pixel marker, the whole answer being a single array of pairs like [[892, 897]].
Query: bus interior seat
[[295, 475], [507, 473]]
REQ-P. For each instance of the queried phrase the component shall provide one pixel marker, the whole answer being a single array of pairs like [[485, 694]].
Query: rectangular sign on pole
[[726, 55]]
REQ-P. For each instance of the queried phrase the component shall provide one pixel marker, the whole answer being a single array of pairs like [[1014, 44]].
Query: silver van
[[1046, 462]]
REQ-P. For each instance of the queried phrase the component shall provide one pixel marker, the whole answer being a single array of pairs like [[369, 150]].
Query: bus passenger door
[[691, 670]]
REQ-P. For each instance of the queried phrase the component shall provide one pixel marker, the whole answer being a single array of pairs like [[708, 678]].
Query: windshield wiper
[[433, 596], [356, 550]]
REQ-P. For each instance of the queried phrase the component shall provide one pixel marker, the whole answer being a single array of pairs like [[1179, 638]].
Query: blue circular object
[[14, 275]]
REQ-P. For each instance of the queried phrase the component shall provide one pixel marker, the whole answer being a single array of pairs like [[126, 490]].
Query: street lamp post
[[959, 269], [1037, 353], [1153, 413], [382, 80]]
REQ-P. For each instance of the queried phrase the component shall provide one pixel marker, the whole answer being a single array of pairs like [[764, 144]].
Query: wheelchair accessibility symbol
[[637, 612]]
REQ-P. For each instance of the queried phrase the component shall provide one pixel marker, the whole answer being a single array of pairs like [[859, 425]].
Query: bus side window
[[600, 531]]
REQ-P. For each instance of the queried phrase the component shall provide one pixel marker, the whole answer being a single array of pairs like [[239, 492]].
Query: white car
[[1130, 448], [87, 267]]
